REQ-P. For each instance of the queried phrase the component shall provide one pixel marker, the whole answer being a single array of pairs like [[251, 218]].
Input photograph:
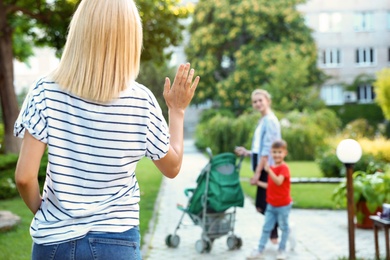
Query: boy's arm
[[277, 179]]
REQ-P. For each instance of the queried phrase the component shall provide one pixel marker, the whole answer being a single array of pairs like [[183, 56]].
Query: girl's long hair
[[103, 49]]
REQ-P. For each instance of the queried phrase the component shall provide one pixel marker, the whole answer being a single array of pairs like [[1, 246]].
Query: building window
[[332, 94], [330, 22], [365, 56], [363, 21], [388, 54], [330, 57], [365, 94]]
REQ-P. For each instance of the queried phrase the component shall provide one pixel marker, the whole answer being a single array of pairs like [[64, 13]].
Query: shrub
[[7, 161], [378, 147], [358, 128], [306, 132], [223, 133], [331, 166], [7, 188], [350, 112], [210, 113], [382, 90]]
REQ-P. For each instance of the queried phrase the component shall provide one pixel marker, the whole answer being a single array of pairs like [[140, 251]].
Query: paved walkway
[[320, 234]]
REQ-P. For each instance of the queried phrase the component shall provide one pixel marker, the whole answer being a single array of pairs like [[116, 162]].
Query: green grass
[[297, 168], [149, 178], [311, 196], [16, 244]]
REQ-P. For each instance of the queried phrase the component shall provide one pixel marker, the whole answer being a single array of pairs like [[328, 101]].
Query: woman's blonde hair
[[263, 92], [103, 49]]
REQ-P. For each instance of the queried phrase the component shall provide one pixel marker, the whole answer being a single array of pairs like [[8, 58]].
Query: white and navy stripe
[[93, 151]]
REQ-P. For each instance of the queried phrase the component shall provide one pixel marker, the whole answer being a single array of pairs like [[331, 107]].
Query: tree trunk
[[9, 104]]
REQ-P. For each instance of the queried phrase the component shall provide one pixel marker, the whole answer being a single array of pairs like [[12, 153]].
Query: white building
[[39, 65], [353, 38]]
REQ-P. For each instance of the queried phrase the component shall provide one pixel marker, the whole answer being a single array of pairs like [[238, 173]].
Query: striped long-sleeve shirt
[[93, 150]]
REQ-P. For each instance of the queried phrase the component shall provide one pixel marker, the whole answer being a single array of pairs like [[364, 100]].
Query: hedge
[[350, 112], [7, 171], [305, 132]]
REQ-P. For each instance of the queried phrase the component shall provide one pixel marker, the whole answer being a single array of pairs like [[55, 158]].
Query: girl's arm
[[260, 166], [27, 168], [262, 184], [178, 97]]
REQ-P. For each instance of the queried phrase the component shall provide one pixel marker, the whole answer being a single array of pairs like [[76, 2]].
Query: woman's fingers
[[178, 75], [195, 84], [189, 78], [167, 86], [185, 73]]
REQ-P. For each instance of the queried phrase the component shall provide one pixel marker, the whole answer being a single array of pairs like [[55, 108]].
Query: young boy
[[278, 198]]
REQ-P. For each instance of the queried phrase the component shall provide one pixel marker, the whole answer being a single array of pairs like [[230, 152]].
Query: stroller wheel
[[203, 246], [239, 242], [172, 241], [233, 242]]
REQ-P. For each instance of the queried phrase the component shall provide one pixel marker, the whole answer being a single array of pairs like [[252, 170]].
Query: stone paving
[[320, 234]]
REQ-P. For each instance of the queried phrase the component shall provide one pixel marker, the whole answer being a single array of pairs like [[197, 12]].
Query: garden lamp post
[[349, 152]]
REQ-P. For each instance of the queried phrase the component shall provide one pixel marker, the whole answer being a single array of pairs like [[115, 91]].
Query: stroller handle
[[188, 191], [209, 152]]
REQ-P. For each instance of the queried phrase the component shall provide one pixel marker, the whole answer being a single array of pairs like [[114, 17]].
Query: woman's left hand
[[179, 95]]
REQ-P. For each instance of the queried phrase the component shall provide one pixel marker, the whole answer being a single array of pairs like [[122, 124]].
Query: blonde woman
[[96, 123], [267, 131]]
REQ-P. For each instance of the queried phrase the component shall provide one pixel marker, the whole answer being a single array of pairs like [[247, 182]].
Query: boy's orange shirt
[[279, 196]]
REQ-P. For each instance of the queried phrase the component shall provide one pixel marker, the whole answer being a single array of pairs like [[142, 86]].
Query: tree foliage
[[382, 90], [45, 23], [240, 45]]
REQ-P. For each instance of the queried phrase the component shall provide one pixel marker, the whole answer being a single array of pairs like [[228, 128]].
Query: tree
[[28, 23], [240, 45], [382, 91]]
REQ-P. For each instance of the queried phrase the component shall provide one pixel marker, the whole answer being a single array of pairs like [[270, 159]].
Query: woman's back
[[93, 150]]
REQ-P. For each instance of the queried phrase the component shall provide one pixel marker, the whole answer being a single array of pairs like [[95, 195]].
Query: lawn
[[304, 195], [16, 244]]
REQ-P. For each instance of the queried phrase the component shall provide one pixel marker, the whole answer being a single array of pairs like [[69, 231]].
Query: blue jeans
[[94, 246], [273, 215]]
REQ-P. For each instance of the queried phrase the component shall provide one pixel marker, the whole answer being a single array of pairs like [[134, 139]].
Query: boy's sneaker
[[256, 254], [281, 255]]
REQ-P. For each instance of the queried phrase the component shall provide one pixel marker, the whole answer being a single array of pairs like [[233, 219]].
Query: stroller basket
[[218, 224]]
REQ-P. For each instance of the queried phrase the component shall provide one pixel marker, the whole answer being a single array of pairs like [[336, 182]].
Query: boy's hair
[[279, 144], [103, 49]]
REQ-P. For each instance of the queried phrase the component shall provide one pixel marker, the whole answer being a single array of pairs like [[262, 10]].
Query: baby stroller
[[218, 189]]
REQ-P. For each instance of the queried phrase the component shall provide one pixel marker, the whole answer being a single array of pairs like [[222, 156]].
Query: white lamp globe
[[349, 151]]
